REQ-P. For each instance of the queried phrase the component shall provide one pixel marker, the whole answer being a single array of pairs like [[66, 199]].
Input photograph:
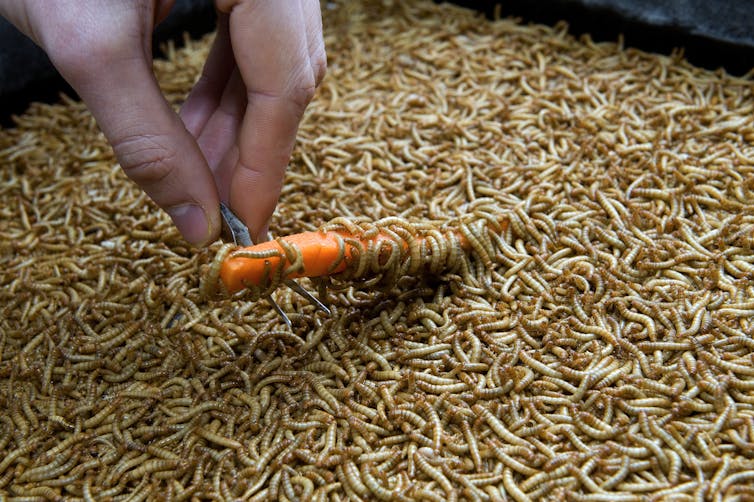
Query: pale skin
[[234, 135]]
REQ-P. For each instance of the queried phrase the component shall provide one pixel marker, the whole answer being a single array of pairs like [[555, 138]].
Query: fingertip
[[192, 222], [157, 152], [214, 222], [254, 205], [199, 226], [264, 234]]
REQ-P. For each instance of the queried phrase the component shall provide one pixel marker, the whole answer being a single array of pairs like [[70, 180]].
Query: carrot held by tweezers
[[239, 233], [353, 249], [322, 253]]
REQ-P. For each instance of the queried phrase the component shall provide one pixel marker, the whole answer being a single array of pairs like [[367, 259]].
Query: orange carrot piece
[[319, 251]]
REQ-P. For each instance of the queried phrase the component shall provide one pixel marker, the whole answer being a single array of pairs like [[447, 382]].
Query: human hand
[[234, 136]]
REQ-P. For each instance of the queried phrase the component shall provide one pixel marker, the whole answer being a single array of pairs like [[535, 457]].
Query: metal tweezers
[[239, 232]]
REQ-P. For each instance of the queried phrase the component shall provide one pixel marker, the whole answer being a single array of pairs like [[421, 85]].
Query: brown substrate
[[600, 349]]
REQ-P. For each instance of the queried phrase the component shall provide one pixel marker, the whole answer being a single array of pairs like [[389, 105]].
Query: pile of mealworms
[[599, 348]]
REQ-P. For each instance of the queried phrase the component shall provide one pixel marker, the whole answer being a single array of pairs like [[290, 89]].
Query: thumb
[[151, 143]]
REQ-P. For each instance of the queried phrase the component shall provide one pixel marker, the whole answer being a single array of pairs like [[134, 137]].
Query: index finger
[[269, 38]]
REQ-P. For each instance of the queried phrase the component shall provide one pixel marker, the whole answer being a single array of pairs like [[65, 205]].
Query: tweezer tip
[[280, 312], [293, 285], [240, 234]]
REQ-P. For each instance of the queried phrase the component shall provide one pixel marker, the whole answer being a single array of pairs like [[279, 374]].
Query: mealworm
[[52, 470], [353, 478], [510, 462], [436, 475], [512, 488], [218, 439], [558, 302], [375, 487], [497, 426]]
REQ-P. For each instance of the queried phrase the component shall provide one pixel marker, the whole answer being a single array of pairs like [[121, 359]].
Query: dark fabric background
[[27, 75], [713, 33]]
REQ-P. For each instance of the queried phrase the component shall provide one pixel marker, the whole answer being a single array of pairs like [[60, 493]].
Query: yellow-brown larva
[[596, 347]]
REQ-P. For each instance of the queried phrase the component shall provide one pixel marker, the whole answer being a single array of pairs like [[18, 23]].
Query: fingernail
[[191, 221]]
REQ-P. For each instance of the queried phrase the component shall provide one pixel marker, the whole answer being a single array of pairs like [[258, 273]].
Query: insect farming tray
[[595, 346]]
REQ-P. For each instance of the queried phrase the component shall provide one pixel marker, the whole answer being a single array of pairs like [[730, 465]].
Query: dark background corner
[[713, 34]]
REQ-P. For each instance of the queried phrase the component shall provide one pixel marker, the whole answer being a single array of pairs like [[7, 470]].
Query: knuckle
[[145, 159], [319, 67], [302, 95], [305, 83]]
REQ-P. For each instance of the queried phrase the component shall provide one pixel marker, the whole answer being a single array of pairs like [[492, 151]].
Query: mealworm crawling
[[539, 283], [497, 426], [375, 487], [436, 475]]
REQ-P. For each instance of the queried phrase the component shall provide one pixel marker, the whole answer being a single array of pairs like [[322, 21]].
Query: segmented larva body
[[353, 250]]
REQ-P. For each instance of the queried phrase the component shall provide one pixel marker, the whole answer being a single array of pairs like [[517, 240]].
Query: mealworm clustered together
[[403, 249], [599, 348]]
